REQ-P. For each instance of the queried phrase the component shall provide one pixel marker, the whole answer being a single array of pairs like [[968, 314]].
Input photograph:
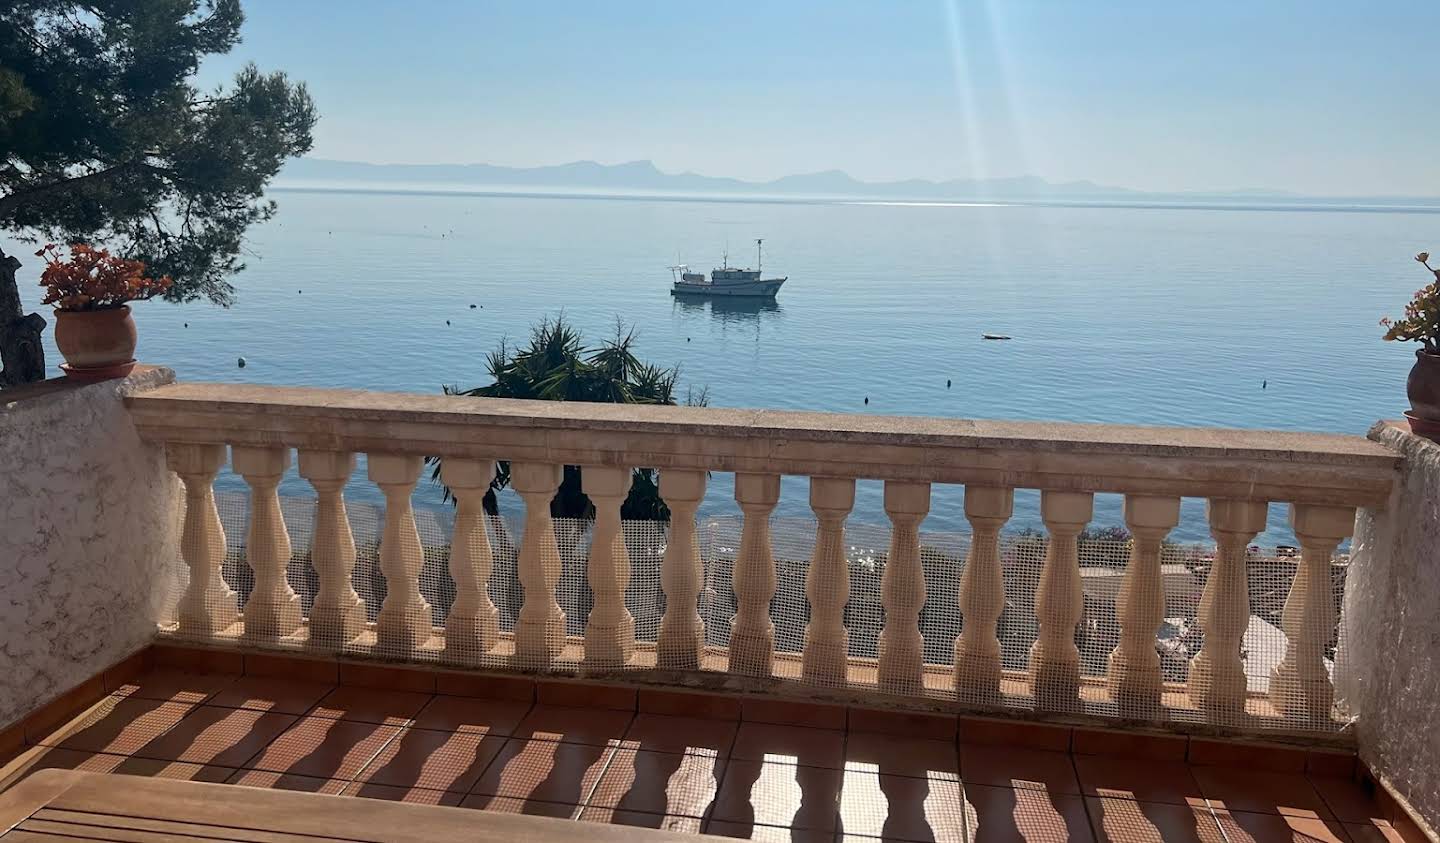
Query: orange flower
[[93, 279]]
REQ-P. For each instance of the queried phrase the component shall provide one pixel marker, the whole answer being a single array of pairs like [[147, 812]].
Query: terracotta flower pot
[[97, 344]]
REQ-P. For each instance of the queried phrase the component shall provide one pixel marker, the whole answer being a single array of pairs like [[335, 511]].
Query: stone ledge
[[19, 399], [1193, 462], [394, 407]]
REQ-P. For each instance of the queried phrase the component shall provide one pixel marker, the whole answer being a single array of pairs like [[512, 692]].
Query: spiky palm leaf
[[555, 365]]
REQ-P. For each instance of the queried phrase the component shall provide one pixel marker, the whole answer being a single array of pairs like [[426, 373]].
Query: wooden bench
[[55, 806]]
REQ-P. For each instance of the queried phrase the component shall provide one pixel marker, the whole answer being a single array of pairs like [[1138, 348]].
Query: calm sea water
[[1150, 315]]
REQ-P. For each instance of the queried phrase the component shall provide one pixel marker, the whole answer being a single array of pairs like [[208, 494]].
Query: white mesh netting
[[1184, 571]]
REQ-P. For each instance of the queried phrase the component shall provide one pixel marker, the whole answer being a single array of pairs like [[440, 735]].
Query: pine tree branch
[[15, 199]]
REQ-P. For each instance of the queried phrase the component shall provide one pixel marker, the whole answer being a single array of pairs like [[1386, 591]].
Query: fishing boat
[[725, 280]]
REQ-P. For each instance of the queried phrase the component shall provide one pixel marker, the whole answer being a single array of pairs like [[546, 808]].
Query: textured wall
[[87, 530], [1388, 664]]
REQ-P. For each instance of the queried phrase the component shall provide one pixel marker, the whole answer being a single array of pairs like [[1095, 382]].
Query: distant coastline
[[642, 179]]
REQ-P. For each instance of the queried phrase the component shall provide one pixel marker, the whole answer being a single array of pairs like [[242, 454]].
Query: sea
[[1189, 313]]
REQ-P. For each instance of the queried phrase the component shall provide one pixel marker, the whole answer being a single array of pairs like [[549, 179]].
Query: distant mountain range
[[644, 176]]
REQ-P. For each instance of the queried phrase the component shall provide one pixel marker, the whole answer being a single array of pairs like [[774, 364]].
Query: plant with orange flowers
[[94, 279]]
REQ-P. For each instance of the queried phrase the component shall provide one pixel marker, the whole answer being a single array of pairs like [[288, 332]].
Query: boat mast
[[758, 241]]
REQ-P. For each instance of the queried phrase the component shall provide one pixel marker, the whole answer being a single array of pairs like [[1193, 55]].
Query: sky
[[1324, 97]]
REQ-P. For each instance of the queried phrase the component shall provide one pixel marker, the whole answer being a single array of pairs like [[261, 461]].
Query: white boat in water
[[725, 281]]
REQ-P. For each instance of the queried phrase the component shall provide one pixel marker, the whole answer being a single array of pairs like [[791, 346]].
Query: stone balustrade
[[1324, 479]]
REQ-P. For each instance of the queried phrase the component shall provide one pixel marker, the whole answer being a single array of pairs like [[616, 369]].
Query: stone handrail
[[1190, 462], [1324, 478]]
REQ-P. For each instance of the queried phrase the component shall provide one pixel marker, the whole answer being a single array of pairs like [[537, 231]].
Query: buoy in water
[[240, 362]]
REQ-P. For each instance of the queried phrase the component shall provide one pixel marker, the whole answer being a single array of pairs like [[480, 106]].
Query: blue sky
[[1322, 97]]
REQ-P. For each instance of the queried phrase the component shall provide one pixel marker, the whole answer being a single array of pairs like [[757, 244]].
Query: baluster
[[1217, 675], [338, 614], [208, 605], [902, 590], [1059, 601], [682, 631], [540, 629], [752, 636], [610, 631], [1300, 686], [273, 610], [1134, 666], [473, 625], [982, 595], [404, 622], [827, 584]]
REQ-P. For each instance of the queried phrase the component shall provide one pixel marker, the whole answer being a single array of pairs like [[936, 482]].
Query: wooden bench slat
[[212, 812], [112, 834], [18, 835], [198, 831]]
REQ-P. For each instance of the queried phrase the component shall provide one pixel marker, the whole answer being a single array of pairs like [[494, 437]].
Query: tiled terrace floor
[[742, 779]]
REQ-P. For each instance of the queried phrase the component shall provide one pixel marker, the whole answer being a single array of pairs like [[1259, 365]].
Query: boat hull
[[765, 289]]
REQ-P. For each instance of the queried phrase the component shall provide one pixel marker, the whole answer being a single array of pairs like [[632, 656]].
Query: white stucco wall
[[88, 535], [1388, 660]]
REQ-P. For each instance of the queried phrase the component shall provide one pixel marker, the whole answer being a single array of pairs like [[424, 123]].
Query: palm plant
[[556, 365]]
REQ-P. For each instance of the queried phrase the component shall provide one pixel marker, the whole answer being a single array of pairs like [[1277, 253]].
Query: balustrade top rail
[[1195, 462]]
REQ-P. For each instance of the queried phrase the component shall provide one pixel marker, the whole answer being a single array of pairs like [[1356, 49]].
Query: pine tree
[[104, 137]]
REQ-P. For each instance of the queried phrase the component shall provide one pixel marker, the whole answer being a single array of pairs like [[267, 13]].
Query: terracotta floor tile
[[1248, 827], [421, 758], [1120, 743], [1003, 814], [897, 756], [1330, 762], [1128, 821], [211, 735], [1013, 733], [1248, 754], [471, 714], [659, 783], [1001, 766], [321, 747], [789, 745], [511, 805], [768, 833], [545, 771], [664, 733], [1375, 831], [371, 705], [1143, 781], [1260, 791], [780, 794], [639, 819], [1347, 800], [120, 725], [287, 781], [414, 795], [688, 704], [902, 807], [271, 693], [575, 725], [47, 758], [175, 686]]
